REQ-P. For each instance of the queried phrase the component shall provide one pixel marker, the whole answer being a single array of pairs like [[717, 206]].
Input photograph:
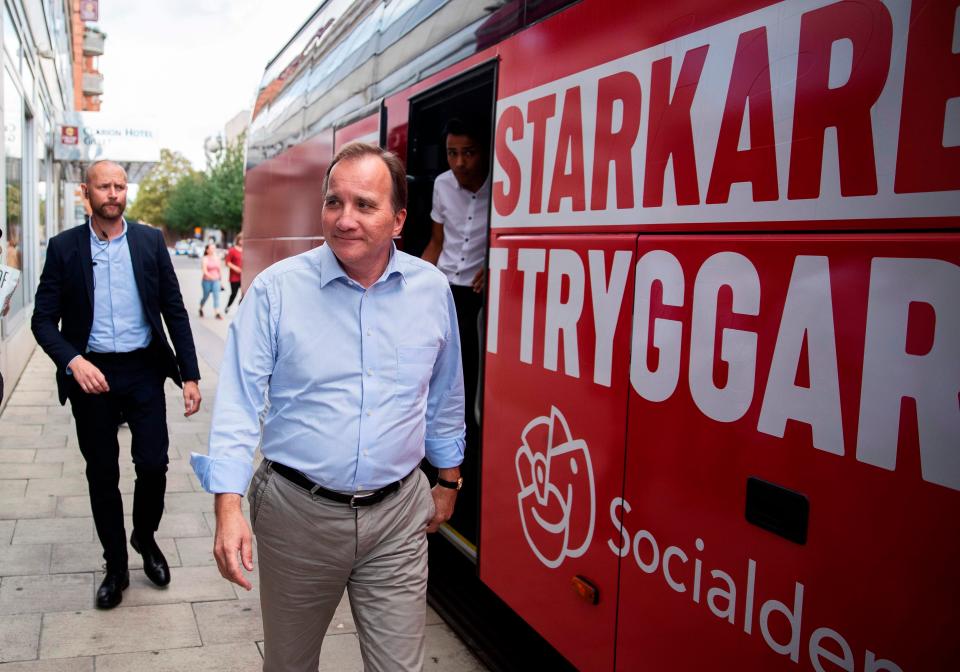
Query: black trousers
[[234, 290], [136, 397], [469, 304]]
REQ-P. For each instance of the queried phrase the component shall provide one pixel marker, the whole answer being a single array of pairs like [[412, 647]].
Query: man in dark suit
[[107, 285]]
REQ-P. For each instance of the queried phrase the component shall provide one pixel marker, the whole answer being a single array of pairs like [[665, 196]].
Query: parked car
[[196, 248], [182, 247]]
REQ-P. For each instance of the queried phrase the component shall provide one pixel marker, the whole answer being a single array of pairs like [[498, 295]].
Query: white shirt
[[463, 214]]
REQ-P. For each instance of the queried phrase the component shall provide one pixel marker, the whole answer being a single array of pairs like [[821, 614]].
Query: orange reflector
[[586, 590]]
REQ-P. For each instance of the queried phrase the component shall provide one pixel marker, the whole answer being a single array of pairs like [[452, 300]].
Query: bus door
[[558, 330], [470, 98], [792, 470]]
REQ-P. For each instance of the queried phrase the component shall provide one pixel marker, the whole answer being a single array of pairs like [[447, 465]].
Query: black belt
[[354, 501]]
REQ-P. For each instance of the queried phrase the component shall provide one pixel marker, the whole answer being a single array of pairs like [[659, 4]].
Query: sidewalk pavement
[[51, 562]]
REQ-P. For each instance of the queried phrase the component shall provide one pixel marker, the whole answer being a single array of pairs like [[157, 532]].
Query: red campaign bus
[[721, 375]]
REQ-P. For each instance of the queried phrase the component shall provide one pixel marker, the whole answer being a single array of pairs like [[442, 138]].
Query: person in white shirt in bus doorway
[[354, 345], [458, 242]]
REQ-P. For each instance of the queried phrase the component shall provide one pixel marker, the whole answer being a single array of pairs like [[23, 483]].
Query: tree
[[188, 204], [224, 185], [156, 188]]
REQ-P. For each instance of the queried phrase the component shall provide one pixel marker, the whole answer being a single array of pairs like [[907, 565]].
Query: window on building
[[13, 252]]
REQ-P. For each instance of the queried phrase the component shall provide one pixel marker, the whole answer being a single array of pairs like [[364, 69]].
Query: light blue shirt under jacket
[[361, 383], [119, 322]]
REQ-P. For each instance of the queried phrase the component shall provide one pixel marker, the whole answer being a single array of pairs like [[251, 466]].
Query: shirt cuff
[[445, 453], [67, 367], [221, 474]]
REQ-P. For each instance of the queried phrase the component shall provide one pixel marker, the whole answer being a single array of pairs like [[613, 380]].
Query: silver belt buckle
[[358, 500]]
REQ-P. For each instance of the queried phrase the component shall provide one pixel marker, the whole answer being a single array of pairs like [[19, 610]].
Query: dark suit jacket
[[65, 298]]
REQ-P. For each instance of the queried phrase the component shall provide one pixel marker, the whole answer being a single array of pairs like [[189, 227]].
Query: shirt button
[[369, 413], [466, 240], [469, 217], [369, 372], [369, 333], [365, 451]]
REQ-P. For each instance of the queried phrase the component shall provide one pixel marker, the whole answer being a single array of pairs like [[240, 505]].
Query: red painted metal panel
[[553, 452], [743, 116], [283, 199], [829, 366], [366, 130]]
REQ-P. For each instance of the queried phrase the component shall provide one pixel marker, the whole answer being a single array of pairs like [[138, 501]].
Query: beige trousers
[[311, 548]]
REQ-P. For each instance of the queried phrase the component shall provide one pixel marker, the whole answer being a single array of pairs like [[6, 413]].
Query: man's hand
[[479, 280], [191, 398], [89, 377], [444, 499], [232, 537]]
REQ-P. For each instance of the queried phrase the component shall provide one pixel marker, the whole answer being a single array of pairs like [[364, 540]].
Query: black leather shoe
[[110, 593], [154, 564]]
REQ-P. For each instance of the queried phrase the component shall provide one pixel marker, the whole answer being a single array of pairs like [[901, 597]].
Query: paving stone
[[196, 551], [444, 651], [121, 630], [64, 455], [240, 657], [53, 530], [53, 665], [20, 411], [341, 653], [188, 502], [61, 487], [7, 528], [41, 593], [179, 483], [33, 441], [16, 455], [75, 506], [49, 470], [187, 584], [31, 398], [13, 488], [11, 428], [88, 557], [19, 636], [27, 507], [183, 525], [229, 621], [24, 559]]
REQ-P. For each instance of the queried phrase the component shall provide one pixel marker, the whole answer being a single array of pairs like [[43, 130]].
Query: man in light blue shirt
[[355, 347]]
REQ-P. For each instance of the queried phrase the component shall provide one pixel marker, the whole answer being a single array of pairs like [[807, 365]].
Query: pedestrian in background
[[235, 264], [355, 402], [210, 265], [103, 291]]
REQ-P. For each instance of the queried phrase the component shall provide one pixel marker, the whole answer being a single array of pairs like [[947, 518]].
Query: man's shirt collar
[[95, 238], [331, 269]]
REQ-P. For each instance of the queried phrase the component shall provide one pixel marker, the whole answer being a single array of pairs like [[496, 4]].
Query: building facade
[[38, 87]]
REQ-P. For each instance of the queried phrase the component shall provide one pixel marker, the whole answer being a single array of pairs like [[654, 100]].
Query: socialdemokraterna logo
[[556, 499]]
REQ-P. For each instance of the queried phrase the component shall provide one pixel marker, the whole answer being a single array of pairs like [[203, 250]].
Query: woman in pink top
[[210, 264]]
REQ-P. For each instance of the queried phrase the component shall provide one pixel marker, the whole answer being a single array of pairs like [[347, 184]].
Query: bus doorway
[[459, 109]]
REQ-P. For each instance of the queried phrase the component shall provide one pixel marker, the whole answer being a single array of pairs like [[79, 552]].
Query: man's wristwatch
[[453, 485]]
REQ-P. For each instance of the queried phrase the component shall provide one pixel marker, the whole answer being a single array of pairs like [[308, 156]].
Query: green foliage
[[180, 198], [224, 187], [187, 204], [156, 188]]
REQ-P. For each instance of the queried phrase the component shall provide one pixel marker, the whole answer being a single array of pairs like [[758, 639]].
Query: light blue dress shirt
[[361, 383], [119, 321]]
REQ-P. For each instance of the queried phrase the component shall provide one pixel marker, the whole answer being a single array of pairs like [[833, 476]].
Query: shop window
[[13, 239]]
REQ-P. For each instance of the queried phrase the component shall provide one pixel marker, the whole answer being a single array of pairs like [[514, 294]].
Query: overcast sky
[[188, 66]]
